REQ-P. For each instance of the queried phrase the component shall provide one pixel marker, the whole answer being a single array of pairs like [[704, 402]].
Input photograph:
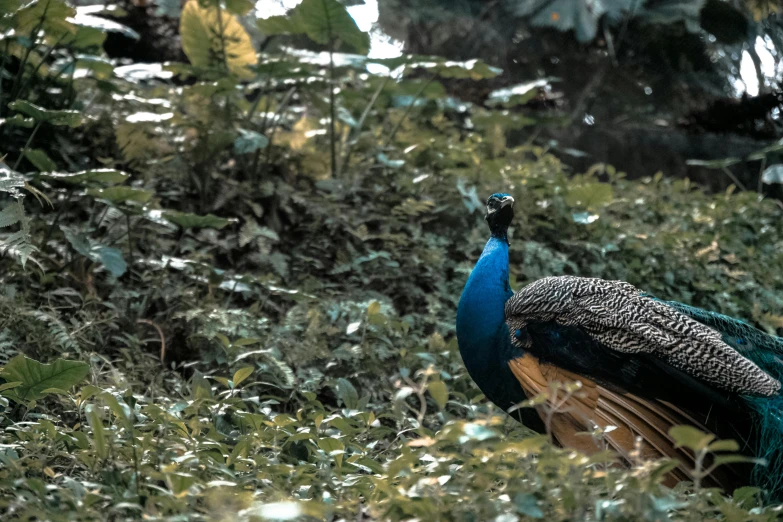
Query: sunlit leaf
[[214, 38], [242, 374]]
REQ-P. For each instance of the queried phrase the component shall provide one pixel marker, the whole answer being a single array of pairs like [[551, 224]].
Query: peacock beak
[[506, 201]]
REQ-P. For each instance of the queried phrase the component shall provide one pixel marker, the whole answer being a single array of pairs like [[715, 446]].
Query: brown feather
[[597, 406]]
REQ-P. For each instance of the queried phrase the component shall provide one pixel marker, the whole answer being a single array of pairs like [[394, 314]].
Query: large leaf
[[327, 20], [36, 377], [50, 16], [53, 117], [212, 37]]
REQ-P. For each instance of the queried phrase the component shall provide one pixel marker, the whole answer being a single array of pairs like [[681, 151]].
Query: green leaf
[[721, 460], [200, 387], [109, 257], [347, 393], [590, 195], [84, 177], [332, 447], [50, 15], [98, 431], [275, 25], [326, 20], [37, 377], [242, 374], [17, 120], [690, 437], [249, 141], [213, 38], [187, 220], [112, 259], [11, 215], [239, 7], [41, 115], [121, 194], [724, 445], [713, 164], [9, 385], [39, 159], [439, 392], [374, 308]]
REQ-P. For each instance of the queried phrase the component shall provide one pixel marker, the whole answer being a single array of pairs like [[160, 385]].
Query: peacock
[[645, 365]]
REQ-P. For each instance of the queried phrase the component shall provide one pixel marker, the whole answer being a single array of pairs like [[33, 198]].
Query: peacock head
[[500, 212]]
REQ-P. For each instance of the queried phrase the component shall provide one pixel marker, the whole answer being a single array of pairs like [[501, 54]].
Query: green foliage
[[28, 380], [303, 362]]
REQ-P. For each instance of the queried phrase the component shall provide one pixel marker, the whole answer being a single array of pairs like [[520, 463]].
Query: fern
[[58, 331], [19, 244], [7, 347], [135, 142]]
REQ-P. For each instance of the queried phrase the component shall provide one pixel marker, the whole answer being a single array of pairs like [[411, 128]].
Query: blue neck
[[483, 336]]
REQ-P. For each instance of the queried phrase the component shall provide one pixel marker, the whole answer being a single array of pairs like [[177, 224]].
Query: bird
[[643, 364]]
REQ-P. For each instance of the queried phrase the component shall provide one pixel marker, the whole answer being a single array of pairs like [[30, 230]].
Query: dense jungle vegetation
[[230, 276]]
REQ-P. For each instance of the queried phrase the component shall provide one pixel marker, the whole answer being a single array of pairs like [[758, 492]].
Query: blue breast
[[483, 336]]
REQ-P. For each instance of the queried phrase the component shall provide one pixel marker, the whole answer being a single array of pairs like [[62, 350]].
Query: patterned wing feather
[[619, 316]]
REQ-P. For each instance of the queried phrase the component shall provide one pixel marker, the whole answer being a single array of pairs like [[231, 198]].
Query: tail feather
[[767, 352]]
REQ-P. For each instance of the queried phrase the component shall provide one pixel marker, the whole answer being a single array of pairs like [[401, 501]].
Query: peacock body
[[645, 364]]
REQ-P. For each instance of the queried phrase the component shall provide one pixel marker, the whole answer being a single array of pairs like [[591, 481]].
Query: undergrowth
[[265, 300]]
